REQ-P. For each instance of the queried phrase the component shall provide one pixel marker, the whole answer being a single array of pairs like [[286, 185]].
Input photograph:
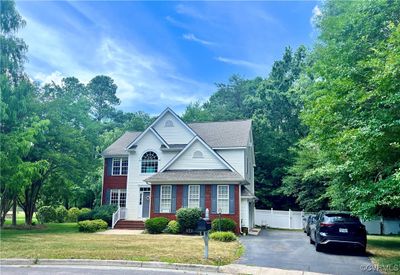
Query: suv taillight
[[325, 224]]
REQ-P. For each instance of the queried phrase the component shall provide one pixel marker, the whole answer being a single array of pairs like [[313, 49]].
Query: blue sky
[[161, 53]]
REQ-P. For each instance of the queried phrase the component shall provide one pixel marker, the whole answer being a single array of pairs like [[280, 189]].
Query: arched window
[[149, 162], [197, 154], [169, 123]]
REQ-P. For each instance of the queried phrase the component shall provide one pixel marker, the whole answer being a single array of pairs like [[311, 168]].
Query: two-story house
[[173, 164]]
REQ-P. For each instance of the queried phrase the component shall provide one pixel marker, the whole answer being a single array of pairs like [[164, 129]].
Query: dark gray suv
[[338, 229]]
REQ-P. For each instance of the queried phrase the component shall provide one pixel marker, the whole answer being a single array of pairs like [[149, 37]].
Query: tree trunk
[[5, 205], [14, 212], [29, 201]]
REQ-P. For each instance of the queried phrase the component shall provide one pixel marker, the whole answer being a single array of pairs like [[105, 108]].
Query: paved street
[[292, 250], [88, 270]]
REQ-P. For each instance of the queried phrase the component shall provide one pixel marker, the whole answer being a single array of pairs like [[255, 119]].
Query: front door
[[145, 204]]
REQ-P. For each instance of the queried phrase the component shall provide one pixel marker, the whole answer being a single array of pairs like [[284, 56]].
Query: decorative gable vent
[[197, 154], [169, 123]]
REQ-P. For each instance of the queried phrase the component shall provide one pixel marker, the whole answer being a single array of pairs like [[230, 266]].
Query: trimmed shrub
[[156, 225], [188, 218], [223, 236], [92, 226], [85, 210], [46, 214], [61, 214], [105, 213], [226, 225], [73, 214], [85, 215], [173, 227]]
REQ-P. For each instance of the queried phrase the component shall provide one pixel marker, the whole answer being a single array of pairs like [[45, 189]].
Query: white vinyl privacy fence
[[294, 220], [279, 218]]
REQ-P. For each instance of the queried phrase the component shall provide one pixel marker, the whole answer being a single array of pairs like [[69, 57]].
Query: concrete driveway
[[292, 250]]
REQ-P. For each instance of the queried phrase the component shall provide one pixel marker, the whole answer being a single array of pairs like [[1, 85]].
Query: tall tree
[[102, 95], [12, 48], [20, 127], [277, 127], [353, 106]]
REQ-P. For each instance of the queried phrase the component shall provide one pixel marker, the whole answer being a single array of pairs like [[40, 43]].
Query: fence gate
[[279, 218]]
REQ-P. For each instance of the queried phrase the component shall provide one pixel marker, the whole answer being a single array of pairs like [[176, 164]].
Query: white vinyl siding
[[165, 198], [194, 196], [236, 158], [119, 166], [208, 161], [178, 134], [223, 199]]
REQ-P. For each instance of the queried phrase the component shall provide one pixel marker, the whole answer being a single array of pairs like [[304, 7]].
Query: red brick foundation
[[179, 190]]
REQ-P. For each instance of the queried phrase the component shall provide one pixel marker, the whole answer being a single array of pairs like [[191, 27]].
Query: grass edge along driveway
[[385, 252], [63, 241]]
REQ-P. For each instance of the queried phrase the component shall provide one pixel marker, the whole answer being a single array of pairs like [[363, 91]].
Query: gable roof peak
[[150, 128]]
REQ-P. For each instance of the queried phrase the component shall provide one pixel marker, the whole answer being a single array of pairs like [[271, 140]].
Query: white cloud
[[239, 62], [316, 13], [189, 11], [55, 77], [146, 80], [192, 37]]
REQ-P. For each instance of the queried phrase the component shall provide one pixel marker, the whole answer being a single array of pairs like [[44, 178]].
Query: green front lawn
[[385, 251], [63, 241]]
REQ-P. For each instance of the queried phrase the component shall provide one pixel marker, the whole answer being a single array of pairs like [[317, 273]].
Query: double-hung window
[[119, 166], [223, 199], [165, 198], [118, 197], [194, 196]]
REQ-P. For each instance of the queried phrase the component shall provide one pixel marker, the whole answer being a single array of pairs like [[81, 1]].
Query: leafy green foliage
[[46, 214], [92, 226], [61, 214], [173, 227], [223, 236], [353, 107], [223, 224], [188, 218], [86, 215], [73, 214], [156, 225], [105, 213]]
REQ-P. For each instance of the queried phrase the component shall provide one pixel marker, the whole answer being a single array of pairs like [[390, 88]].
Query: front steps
[[126, 224]]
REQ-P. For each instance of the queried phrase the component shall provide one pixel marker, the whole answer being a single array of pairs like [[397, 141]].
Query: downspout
[[240, 208], [102, 180]]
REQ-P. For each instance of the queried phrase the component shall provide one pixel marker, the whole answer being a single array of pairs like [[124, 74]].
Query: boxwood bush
[[73, 214], [103, 212], [92, 226], [61, 214], [188, 218], [223, 236], [225, 223], [84, 216], [156, 225], [173, 227], [46, 214]]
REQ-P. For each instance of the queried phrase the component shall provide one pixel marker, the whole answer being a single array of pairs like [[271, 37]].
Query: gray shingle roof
[[215, 134], [195, 175], [224, 134], [118, 147]]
